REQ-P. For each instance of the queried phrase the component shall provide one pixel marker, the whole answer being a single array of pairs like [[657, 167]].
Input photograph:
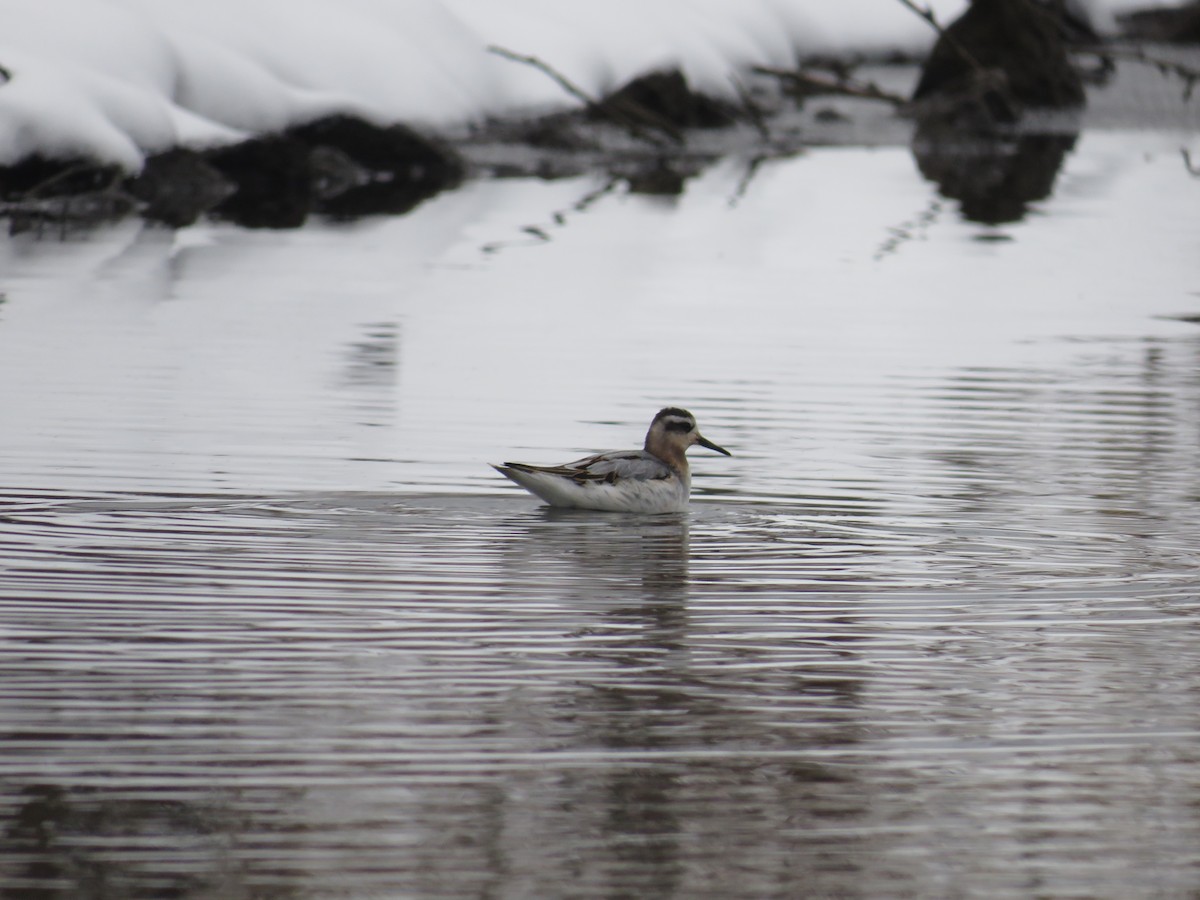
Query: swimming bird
[[651, 480]]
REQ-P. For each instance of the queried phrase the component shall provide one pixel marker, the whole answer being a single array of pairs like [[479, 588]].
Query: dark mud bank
[[345, 167], [337, 166]]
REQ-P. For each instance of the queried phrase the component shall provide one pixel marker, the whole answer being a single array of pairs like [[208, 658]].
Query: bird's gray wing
[[637, 465]]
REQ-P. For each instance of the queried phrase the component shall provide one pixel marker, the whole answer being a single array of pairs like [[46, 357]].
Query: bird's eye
[[681, 425]]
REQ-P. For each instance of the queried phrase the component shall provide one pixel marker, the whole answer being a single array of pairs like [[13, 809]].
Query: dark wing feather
[[607, 467]]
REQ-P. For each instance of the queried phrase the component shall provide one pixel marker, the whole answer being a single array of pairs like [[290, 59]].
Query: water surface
[[269, 625]]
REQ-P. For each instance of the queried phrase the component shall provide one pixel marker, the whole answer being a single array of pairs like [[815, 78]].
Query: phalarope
[[652, 480]]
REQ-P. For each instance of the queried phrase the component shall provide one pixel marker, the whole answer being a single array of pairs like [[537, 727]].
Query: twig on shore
[[607, 110], [840, 86], [570, 87]]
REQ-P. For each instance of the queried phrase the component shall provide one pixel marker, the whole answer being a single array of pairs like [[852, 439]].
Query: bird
[[654, 479]]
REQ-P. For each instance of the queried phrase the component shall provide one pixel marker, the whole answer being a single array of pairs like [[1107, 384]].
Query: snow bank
[[116, 80]]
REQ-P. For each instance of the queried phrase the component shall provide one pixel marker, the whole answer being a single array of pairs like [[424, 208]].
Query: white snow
[[116, 80]]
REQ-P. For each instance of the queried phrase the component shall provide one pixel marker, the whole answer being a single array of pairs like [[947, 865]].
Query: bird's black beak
[[705, 442]]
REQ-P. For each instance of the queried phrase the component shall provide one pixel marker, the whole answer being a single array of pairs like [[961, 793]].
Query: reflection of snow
[[397, 352]]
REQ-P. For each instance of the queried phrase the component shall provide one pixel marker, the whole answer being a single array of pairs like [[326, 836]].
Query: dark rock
[[398, 167], [273, 179], [995, 59], [337, 165], [998, 59], [179, 186], [392, 148], [664, 101]]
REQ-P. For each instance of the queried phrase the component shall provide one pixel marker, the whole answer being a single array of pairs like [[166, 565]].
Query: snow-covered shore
[[117, 80]]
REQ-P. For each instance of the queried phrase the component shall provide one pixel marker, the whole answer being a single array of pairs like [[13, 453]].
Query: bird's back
[[622, 481]]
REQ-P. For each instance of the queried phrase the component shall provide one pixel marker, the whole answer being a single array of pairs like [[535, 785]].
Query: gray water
[[270, 626]]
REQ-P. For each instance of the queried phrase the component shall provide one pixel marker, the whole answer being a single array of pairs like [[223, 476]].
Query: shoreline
[[653, 134]]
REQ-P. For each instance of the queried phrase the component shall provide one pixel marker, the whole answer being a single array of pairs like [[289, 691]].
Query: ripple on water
[[367, 674], [931, 630]]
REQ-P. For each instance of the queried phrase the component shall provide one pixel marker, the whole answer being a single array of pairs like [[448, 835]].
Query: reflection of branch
[[607, 110], [588, 200], [911, 230], [5, 75], [1187, 163], [841, 86], [559, 219], [744, 183], [753, 112], [1190, 76]]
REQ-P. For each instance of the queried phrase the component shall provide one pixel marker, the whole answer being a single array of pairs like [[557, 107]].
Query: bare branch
[[607, 110], [570, 87]]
